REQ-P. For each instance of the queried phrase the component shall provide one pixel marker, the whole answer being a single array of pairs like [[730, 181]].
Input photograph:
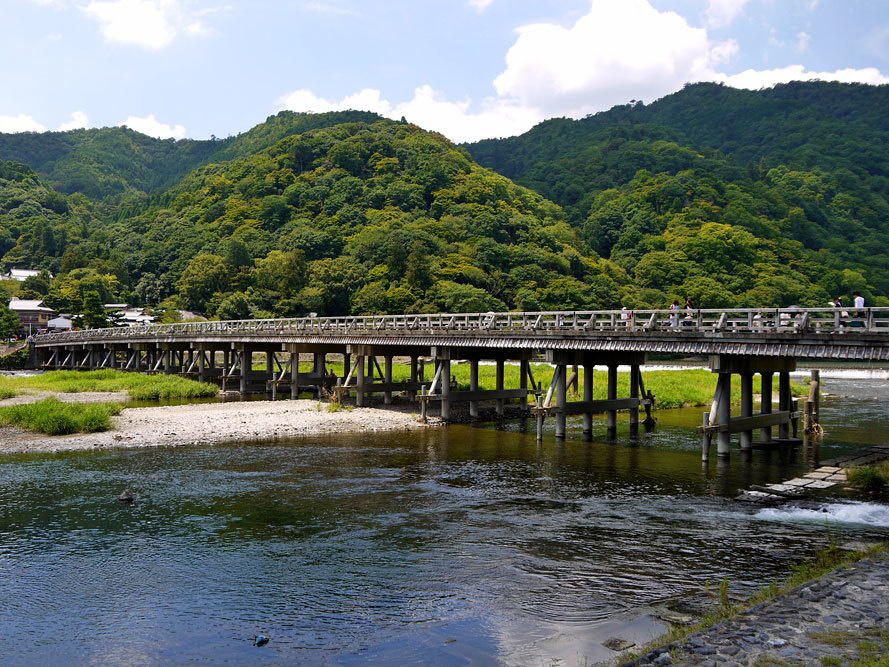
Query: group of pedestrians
[[689, 312], [858, 304]]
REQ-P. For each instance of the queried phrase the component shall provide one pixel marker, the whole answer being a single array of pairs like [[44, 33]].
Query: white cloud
[[428, 109], [20, 123], [145, 23], [720, 13], [151, 24], [756, 79], [78, 120], [154, 128], [802, 41], [327, 8], [480, 5], [621, 50]]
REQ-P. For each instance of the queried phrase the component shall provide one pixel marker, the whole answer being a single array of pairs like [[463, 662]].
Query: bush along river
[[454, 545]]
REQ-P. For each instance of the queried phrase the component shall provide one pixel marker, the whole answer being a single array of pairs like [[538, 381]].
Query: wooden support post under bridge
[[562, 359], [719, 420]]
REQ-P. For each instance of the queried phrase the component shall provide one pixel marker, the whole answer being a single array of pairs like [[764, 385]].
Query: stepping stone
[[821, 484], [798, 481], [828, 469], [783, 487], [817, 475]]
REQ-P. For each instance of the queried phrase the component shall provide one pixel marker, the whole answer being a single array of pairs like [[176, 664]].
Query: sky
[[470, 69]]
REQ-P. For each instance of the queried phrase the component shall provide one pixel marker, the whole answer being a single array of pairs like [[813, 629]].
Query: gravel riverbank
[[212, 423]]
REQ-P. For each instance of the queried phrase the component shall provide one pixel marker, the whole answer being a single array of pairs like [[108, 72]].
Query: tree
[[93, 311], [205, 275], [9, 322], [234, 307]]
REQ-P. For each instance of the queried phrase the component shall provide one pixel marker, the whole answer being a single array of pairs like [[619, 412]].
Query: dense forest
[[733, 198], [803, 167]]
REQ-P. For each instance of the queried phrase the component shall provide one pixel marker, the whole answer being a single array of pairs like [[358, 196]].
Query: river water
[[457, 545]]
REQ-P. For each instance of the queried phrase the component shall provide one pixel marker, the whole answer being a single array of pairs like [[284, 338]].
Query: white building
[[21, 275]]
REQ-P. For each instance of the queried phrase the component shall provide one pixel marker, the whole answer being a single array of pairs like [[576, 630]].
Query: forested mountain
[[730, 197], [121, 163], [380, 217], [803, 162]]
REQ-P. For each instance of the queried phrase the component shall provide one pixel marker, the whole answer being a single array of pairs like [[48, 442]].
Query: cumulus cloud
[[153, 128], [428, 109], [150, 24], [756, 79], [480, 5], [20, 123], [720, 13], [621, 50], [78, 120]]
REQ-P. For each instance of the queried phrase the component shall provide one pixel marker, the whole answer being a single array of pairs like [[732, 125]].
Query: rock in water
[[126, 496], [617, 644]]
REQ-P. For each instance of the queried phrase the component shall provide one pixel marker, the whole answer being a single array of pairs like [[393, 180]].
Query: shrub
[[53, 417]]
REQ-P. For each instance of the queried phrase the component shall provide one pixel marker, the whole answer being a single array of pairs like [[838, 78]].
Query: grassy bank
[[872, 480], [826, 561], [672, 389], [53, 417], [138, 386]]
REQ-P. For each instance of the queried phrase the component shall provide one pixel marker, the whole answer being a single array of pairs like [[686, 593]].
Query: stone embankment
[[837, 619]]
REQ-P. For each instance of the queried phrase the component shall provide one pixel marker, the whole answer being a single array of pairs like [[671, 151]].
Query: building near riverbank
[[33, 314]]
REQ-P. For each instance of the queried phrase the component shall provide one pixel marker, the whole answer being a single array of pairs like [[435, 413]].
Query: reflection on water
[[450, 545]]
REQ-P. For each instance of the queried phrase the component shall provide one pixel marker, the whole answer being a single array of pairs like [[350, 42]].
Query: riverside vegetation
[[347, 212], [138, 386], [53, 417]]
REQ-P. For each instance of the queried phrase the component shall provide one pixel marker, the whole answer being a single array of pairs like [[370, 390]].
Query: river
[[456, 545]]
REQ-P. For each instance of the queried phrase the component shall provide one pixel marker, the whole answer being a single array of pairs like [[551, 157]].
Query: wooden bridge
[[745, 342]]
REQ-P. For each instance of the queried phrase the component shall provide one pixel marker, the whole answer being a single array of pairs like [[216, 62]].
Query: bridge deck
[[786, 332]]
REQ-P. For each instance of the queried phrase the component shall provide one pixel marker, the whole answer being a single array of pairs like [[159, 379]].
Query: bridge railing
[[698, 321]]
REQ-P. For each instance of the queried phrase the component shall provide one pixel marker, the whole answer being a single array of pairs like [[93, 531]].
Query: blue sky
[[467, 68]]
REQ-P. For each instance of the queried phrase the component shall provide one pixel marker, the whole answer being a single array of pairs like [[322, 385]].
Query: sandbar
[[214, 423]]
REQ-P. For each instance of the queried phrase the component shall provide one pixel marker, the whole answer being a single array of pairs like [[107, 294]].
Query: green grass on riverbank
[[672, 389], [137, 385], [53, 417]]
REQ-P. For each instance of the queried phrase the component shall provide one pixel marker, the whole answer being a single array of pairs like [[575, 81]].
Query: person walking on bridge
[[674, 317], [858, 301], [689, 312]]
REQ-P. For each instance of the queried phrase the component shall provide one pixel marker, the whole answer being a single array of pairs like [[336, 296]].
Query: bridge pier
[[719, 420], [562, 359]]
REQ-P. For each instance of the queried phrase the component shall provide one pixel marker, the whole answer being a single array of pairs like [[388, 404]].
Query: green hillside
[[350, 213], [380, 217], [806, 164], [121, 163]]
